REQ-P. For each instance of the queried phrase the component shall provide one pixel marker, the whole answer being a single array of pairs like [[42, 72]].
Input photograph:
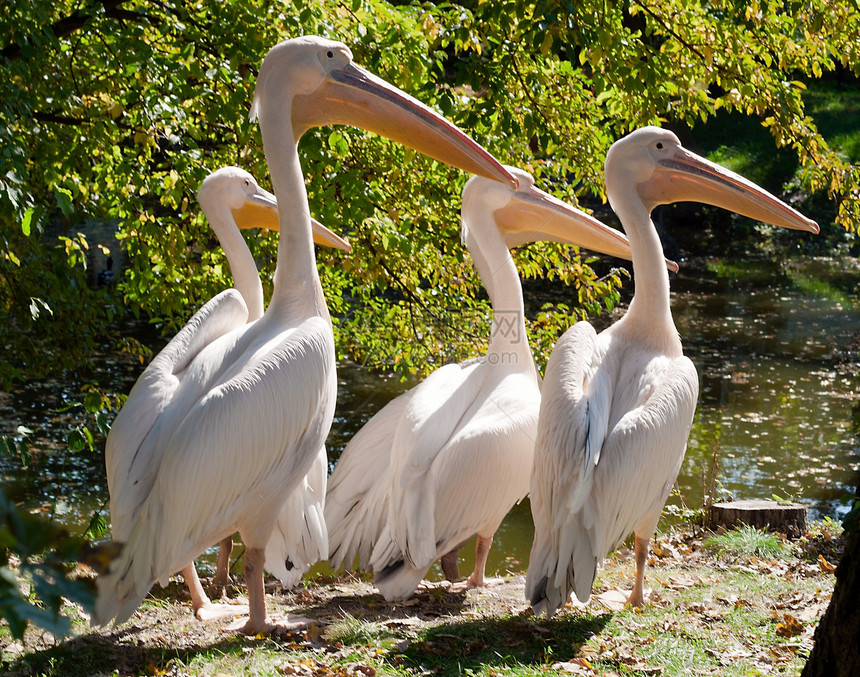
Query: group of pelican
[[224, 431]]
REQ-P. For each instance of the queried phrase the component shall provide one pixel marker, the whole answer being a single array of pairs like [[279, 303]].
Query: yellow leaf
[[826, 566], [546, 45], [790, 626], [431, 27]]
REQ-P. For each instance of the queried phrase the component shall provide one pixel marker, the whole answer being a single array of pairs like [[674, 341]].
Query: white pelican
[[231, 199], [300, 538], [449, 458], [253, 407], [617, 407]]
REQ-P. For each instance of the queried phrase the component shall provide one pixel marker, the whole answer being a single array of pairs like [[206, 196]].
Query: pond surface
[[776, 345]]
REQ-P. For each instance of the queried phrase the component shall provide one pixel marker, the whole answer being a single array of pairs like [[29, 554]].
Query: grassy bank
[[742, 604]]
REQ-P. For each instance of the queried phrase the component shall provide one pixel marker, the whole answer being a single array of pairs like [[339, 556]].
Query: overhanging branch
[[74, 22]]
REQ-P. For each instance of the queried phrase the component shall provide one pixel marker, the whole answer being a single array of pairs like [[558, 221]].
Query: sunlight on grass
[[720, 620], [352, 630], [747, 541], [251, 660], [835, 111]]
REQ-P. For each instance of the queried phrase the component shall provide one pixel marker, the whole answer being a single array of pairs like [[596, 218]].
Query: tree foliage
[[114, 111], [43, 553], [39, 557]]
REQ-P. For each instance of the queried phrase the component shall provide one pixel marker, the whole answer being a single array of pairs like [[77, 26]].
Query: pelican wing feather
[[131, 458], [356, 505], [244, 468], [300, 538], [604, 467]]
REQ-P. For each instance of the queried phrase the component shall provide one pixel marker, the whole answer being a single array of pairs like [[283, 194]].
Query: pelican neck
[[297, 287], [650, 305], [500, 278], [246, 279]]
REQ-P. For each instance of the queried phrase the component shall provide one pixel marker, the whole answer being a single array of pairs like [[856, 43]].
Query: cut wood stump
[[783, 516]]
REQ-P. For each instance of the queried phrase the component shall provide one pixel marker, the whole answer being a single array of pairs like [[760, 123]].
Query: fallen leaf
[[640, 665], [826, 566], [612, 599], [664, 551], [313, 632], [575, 666], [683, 581], [790, 626]]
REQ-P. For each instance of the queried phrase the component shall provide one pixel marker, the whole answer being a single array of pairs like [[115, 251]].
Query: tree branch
[[59, 119], [74, 22]]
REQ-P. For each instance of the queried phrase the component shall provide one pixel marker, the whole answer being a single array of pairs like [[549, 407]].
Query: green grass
[[835, 108], [510, 645], [747, 541], [352, 630], [734, 605], [741, 143], [263, 661], [717, 616]]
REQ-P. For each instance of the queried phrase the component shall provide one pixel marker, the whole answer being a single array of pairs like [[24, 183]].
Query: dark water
[[776, 345]]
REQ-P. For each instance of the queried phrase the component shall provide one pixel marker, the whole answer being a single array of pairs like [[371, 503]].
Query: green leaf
[[24, 454], [93, 401], [102, 423], [42, 549], [64, 202], [337, 143], [8, 445], [26, 221], [37, 306], [97, 527], [75, 439], [89, 437]]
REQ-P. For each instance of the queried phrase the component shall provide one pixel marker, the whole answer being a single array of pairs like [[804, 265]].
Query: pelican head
[[663, 171], [528, 214], [253, 206], [317, 81]]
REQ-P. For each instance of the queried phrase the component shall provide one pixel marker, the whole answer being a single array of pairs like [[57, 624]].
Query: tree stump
[[783, 516]]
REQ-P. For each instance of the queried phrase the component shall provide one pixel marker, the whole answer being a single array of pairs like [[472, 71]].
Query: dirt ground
[[165, 621], [165, 626], [166, 616]]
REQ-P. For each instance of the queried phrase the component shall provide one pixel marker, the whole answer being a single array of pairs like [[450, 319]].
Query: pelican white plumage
[[449, 458], [617, 406], [232, 200], [300, 538], [243, 426]]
